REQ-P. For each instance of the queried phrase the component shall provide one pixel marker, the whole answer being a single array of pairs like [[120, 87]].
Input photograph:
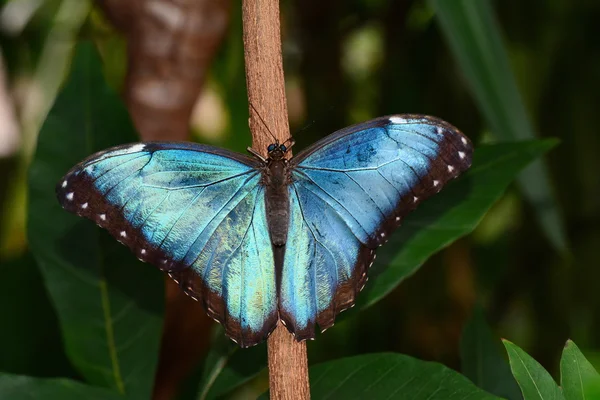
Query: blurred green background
[[499, 71]]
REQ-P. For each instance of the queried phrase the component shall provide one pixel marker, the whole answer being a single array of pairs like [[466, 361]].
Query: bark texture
[[288, 364]]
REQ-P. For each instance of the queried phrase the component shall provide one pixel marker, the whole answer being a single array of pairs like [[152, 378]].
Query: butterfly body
[[276, 181], [258, 240]]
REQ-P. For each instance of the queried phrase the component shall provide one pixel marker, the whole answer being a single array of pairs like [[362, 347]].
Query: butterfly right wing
[[349, 192], [194, 211]]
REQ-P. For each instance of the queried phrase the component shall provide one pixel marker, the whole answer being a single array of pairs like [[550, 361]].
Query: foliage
[[579, 380]]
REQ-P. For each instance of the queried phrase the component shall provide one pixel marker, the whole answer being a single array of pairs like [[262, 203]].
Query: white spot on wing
[[123, 234], [461, 154], [84, 205], [143, 251], [70, 196], [64, 184], [397, 218], [450, 168], [415, 199], [135, 148], [103, 217], [398, 120], [382, 234], [463, 140], [435, 183], [439, 130]]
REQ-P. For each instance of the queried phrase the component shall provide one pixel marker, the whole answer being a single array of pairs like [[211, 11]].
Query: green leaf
[[109, 305], [452, 213], [24, 348], [227, 367], [482, 360], [19, 387], [390, 376], [474, 37], [535, 382], [578, 378]]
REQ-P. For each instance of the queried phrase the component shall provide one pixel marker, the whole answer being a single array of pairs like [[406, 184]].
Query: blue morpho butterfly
[[261, 240]]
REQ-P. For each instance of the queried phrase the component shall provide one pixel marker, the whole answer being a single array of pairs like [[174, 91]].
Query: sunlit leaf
[[578, 378], [535, 382]]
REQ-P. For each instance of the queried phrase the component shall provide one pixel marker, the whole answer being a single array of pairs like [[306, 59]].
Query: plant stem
[[288, 364]]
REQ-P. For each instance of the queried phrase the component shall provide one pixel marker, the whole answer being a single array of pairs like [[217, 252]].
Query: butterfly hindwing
[[194, 211], [349, 191], [319, 274]]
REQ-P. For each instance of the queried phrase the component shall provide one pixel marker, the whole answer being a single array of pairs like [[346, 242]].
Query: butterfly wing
[[194, 211], [349, 192]]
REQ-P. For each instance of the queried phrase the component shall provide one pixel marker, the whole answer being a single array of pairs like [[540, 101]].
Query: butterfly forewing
[[349, 192], [194, 211]]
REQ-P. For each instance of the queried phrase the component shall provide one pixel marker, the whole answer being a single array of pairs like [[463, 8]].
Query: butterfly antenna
[[264, 123]]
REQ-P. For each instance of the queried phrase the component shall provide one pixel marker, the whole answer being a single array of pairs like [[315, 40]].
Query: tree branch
[[288, 364]]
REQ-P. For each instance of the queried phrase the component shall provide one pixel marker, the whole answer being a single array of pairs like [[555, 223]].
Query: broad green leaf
[[535, 382], [109, 305], [19, 387], [482, 359], [390, 376], [24, 348], [226, 366], [474, 37], [578, 378], [452, 213]]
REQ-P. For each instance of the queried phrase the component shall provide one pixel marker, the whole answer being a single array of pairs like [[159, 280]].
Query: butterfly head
[[276, 151]]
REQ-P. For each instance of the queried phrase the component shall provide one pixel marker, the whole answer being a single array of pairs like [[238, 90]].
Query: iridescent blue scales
[[253, 252]]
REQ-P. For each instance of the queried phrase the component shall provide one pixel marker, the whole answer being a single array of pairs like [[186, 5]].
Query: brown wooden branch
[[288, 364]]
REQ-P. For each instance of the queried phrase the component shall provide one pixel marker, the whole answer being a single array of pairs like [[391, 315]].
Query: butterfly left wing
[[194, 211], [349, 192]]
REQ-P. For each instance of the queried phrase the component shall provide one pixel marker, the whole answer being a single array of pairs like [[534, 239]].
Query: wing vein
[[335, 200], [116, 166], [203, 185], [367, 193], [317, 240], [215, 216]]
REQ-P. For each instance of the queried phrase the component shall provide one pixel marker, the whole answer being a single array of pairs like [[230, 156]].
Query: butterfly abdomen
[[277, 201]]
